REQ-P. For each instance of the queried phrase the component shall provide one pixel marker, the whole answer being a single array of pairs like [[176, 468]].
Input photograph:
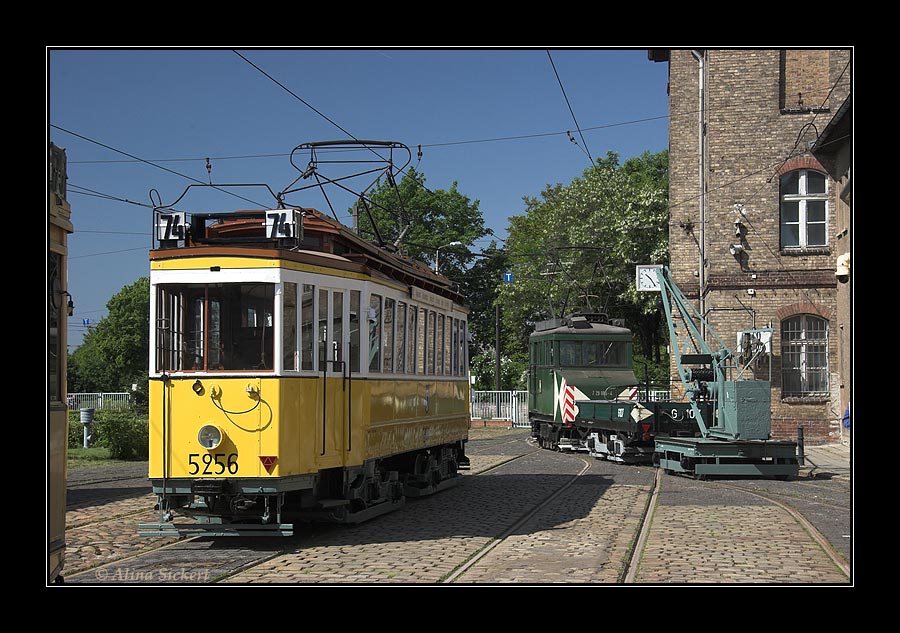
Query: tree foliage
[[114, 353], [419, 221], [576, 247]]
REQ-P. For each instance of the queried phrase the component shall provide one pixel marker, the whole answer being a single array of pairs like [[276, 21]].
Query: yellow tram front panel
[[278, 427], [269, 427]]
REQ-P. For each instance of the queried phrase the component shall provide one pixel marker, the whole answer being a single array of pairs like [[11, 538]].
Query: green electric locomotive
[[584, 396]]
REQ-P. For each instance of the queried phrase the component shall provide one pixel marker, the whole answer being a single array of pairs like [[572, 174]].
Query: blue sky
[[492, 120]]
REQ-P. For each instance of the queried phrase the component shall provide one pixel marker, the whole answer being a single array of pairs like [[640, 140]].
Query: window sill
[[811, 399], [812, 250]]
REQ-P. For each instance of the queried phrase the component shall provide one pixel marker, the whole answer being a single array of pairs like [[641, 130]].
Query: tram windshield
[[592, 353], [209, 327]]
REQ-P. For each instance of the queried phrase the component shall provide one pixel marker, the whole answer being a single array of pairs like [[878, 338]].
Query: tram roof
[[242, 233]]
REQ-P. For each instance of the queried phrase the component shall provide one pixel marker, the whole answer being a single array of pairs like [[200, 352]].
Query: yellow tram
[[58, 305], [298, 373]]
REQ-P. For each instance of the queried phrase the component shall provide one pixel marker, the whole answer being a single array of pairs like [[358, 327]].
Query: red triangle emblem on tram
[[268, 462], [646, 428]]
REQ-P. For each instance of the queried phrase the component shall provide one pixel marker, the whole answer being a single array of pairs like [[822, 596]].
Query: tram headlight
[[210, 436]]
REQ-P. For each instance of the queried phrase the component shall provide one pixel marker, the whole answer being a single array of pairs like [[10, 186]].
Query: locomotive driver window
[[570, 353]]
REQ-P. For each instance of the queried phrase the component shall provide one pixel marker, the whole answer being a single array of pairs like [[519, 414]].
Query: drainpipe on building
[[699, 55]]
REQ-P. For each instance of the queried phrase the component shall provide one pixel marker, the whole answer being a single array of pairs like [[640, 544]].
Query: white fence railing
[[99, 400], [512, 406], [500, 405]]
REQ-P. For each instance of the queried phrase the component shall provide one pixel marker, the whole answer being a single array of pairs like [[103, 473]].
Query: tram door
[[333, 368]]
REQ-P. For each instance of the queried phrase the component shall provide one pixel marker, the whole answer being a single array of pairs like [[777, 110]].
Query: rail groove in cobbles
[[521, 516]]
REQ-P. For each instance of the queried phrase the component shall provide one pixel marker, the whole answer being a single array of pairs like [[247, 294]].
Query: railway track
[[522, 515]]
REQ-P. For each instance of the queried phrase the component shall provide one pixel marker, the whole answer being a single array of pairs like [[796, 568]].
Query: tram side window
[[463, 349], [422, 343], [448, 348], [374, 333], [289, 335], [307, 326], [388, 335], [323, 329], [411, 340], [195, 343], [432, 341], [454, 346], [354, 330], [439, 368], [400, 338], [336, 342]]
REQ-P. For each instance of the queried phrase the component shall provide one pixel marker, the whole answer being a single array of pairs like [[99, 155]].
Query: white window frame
[[801, 198]]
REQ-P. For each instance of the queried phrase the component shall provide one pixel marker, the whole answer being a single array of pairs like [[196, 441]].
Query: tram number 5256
[[213, 464]]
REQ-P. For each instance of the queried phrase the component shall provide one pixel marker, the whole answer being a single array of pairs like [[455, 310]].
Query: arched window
[[803, 209], [804, 356]]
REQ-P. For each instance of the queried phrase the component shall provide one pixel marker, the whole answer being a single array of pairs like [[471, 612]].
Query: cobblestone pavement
[[425, 541], [584, 535], [702, 532], [107, 532], [706, 534]]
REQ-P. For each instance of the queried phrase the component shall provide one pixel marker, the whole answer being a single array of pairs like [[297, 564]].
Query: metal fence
[[99, 400], [500, 405], [512, 406]]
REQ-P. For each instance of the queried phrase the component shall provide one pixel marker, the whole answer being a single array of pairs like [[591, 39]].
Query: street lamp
[[437, 256]]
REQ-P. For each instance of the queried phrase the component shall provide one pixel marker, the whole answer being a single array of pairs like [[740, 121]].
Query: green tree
[[576, 248], [113, 355], [484, 368], [480, 286], [419, 221]]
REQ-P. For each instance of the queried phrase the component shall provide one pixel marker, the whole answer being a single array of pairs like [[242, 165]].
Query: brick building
[[756, 219]]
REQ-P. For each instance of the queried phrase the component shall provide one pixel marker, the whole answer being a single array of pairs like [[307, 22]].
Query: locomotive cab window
[[213, 327], [592, 353]]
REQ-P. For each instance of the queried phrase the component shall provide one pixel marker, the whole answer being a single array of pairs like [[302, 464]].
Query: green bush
[[76, 431], [122, 431]]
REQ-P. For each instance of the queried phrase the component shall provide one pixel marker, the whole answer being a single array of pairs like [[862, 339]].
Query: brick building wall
[[755, 128]]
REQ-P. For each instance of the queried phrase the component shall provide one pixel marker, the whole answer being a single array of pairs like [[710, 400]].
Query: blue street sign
[[507, 277], [85, 322]]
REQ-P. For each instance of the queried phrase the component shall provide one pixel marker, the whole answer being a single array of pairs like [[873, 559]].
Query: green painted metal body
[[735, 439], [603, 379], [744, 410], [706, 456], [611, 412]]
